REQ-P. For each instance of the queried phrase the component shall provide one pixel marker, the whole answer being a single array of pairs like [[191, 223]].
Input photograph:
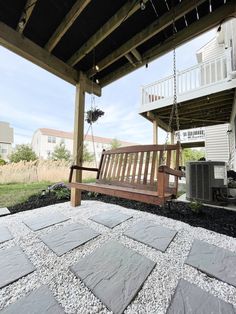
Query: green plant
[[115, 143], [62, 193], [60, 152], [195, 206], [2, 161], [22, 152]]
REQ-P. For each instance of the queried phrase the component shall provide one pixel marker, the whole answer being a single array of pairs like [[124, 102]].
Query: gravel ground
[[73, 295]]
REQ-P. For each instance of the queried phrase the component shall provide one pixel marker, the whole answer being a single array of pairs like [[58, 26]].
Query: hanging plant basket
[[92, 115]]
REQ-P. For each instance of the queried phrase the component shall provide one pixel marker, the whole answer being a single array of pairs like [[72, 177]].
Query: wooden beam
[[128, 9], [78, 138], [155, 132], [130, 59], [26, 14], [156, 27], [66, 23], [136, 54], [196, 120], [12, 40], [153, 117], [204, 24]]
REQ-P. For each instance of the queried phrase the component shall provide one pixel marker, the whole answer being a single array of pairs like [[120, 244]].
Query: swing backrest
[[137, 166]]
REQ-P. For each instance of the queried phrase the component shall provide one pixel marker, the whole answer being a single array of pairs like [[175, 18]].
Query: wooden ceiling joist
[[27, 49], [191, 106], [130, 59], [136, 54], [204, 24], [66, 23], [124, 13], [25, 16], [150, 31]]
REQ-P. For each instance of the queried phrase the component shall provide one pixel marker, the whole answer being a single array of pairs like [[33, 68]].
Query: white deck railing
[[193, 78]]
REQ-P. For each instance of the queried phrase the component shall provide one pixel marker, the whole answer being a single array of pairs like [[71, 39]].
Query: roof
[[70, 37], [69, 135]]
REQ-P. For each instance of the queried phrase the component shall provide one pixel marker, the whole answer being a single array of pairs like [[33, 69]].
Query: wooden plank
[[153, 167], [107, 162], [147, 160], [139, 178], [153, 29], [134, 170], [129, 8], [115, 166], [128, 184], [101, 165], [132, 194], [109, 175], [78, 139], [195, 29], [128, 173], [140, 148], [168, 160], [26, 14], [124, 167], [120, 166], [66, 23]]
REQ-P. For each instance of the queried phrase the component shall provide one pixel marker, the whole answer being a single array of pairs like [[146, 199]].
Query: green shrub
[[62, 193], [195, 206]]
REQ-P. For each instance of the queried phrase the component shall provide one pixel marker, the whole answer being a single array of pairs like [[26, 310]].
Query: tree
[[87, 156], [22, 152], [2, 161], [190, 154], [115, 143], [60, 152]]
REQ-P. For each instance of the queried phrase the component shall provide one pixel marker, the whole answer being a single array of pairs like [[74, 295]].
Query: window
[[51, 139]]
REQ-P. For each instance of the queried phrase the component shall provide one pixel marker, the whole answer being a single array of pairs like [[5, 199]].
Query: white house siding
[[217, 143], [232, 137], [43, 147]]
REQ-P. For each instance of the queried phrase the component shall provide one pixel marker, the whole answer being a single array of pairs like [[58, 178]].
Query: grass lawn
[[15, 193]]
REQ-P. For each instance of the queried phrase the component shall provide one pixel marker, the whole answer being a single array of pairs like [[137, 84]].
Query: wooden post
[[172, 137], [78, 138], [155, 132]]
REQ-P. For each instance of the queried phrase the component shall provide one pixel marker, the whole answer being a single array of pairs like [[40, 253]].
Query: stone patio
[[144, 264]]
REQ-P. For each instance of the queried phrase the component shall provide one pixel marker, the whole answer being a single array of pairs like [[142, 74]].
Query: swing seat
[[136, 173]]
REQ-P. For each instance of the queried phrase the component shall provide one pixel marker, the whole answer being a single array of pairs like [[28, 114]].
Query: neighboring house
[[6, 140], [207, 96], [45, 140]]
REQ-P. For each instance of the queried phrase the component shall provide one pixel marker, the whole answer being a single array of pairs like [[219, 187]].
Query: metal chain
[[174, 109]]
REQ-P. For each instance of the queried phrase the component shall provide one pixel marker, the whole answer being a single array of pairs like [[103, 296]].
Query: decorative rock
[[214, 261], [151, 234], [39, 301], [114, 273], [14, 264], [189, 298], [5, 234], [44, 221], [111, 218], [68, 238]]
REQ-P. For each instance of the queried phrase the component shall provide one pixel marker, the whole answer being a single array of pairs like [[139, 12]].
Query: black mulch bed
[[215, 219]]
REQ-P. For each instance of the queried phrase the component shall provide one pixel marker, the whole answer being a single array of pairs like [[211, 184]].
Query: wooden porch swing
[[146, 173], [136, 173]]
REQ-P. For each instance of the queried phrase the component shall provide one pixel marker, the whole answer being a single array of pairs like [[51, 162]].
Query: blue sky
[[32, 98]]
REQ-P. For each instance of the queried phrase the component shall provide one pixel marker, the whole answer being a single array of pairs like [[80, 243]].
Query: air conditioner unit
[[206, 181]]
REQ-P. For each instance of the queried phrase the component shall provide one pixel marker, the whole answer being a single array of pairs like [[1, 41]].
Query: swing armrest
[[72, 168], [170, 171]]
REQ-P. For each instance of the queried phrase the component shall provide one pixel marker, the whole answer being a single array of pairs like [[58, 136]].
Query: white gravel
[[74, 296]]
